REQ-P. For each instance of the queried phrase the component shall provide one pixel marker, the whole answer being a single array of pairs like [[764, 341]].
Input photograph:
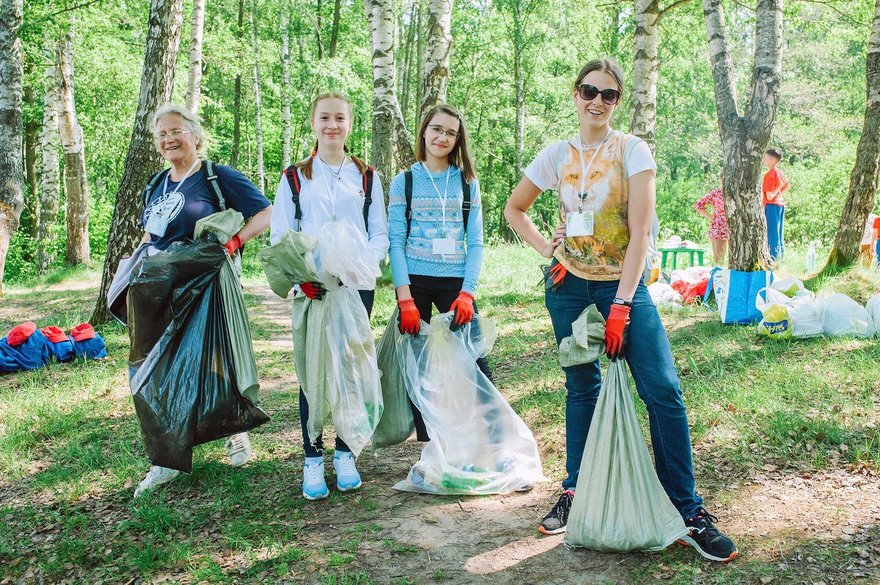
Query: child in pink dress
[[717, 223]]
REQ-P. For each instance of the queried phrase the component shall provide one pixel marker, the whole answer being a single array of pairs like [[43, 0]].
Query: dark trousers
[[440, 291], [367, 297]]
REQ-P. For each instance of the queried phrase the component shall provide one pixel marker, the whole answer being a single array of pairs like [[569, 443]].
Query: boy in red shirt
[[772, 189]]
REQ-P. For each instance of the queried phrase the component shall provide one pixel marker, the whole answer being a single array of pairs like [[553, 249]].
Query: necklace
[[336, 172]]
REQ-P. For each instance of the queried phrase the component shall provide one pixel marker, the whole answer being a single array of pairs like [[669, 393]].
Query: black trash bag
[[186, 391]]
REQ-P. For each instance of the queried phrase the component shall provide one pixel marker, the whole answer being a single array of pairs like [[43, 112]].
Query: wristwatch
[[620, 301]]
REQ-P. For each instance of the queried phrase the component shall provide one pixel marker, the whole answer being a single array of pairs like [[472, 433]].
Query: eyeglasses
[[174, 134], [589, 92], [441, 131]]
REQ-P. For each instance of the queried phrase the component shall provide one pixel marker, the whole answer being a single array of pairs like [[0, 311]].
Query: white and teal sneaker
[[314, 485], [347, 476]]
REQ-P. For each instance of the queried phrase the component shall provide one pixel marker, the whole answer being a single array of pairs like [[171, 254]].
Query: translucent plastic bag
[[587, 340], [344, 253], [396, 424], [788, 310], [842, 315], [619, 504], [336, 364], [873, 308], [478, 443]]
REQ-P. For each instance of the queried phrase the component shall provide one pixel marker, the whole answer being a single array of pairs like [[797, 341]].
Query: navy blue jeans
[[775, 215], [650, 361]]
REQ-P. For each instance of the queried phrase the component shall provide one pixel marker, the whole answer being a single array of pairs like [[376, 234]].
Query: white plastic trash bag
[[874, 314], [478, 443], [842, 315], [664, 295], [343, 252], [788, 310]]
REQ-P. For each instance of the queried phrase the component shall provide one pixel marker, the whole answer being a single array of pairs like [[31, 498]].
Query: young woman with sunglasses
[[435, 256], [605, 184]]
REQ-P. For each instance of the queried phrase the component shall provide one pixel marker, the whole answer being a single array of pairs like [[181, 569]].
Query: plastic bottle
[[810, 260]]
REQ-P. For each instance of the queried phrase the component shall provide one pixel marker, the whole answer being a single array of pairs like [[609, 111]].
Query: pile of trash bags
[[478, 443], [193, 373], [335, 353], [27, 348], [790, 310]]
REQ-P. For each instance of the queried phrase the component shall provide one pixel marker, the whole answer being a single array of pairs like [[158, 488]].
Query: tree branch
[[670, 7], [72, 8], [832, 4]]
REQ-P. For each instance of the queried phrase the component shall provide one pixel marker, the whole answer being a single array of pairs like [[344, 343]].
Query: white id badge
[[443, 246], [578, 224], [156, 225]]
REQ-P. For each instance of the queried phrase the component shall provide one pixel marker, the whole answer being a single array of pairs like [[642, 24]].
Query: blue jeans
[[775, 215], [650, 361]]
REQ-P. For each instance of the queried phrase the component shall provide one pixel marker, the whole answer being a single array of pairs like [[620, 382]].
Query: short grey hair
[[190, 119]]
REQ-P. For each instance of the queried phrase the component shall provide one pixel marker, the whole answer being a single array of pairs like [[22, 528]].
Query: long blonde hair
[[306, 165]]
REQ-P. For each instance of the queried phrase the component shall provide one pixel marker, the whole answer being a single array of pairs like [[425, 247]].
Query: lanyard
[[585, 171], [180, 184], [442, 197], [332, 190]]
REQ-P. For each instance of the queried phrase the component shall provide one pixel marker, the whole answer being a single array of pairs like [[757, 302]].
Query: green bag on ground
[[290, 261], [396, 424], [619, 504], [587, 340]]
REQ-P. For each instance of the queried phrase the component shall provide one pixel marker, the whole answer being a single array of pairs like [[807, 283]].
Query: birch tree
[[142, 160], [50, 183], [745, 136], [439, 41], [863, 178], [646, 68], [258, 100], [11, 73], [285, 86], [76, 183], [194, 80]]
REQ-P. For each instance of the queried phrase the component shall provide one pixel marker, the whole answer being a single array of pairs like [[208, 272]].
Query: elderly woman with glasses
[[604, 180], [175, 200]]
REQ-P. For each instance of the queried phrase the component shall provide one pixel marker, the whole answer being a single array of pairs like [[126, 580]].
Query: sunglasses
[[589, 92]]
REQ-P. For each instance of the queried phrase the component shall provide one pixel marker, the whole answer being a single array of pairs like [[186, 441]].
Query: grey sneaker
[[555, 522]]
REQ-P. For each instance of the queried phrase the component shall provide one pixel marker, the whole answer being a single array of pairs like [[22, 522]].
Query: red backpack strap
[[292, 174]]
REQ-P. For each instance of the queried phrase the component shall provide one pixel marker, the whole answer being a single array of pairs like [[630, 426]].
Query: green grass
[[71, 451]]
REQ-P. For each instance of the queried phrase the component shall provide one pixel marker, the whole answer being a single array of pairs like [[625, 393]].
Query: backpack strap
[[368, 196], [214, 182], [407, 192], [465, 202], [151, 185], [293, 181]]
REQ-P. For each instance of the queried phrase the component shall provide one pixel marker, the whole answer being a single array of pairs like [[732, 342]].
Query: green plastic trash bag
[[223, 224], [396, 424], [619, 504], [587, 340], [290, 261]]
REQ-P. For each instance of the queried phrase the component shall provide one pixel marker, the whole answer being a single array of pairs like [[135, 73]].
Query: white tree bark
[[745, 137], [50, 143], [76, 183], [392, 148], [258, 101], [11, 73], [194, 80], [285, 87], [645, 71], [439, 41], [142, 160]]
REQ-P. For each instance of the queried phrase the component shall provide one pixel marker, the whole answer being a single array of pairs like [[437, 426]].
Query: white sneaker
[[154, 478], [314, 486], [238, 447]]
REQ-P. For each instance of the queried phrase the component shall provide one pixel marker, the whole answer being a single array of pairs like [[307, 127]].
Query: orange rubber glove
[[615, 326], [313, 290], [463, 308], [409, 318], [233, 244]]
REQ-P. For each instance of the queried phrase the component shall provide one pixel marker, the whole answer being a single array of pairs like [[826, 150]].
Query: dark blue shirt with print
[[197, 199]]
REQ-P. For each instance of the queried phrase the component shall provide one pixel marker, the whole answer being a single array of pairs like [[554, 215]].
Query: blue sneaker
[[347, 476], [314, 484]]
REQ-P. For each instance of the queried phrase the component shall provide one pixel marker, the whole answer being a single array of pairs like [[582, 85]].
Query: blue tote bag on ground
[[735, 293]]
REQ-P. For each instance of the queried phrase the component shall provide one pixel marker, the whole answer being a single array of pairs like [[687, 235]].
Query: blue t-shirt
[[197, 200]]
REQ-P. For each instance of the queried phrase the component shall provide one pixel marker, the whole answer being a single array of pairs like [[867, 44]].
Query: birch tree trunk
[[406, 78], [142, 161], [236, 111], [744, 137], [334, 32], [392, 148], [645, 71], [11, 73], [519, 82], [32, 194], [50, 185], [285, 87], [194, 81], [77, 187], [863, 178], [439, 40], [258, 101]]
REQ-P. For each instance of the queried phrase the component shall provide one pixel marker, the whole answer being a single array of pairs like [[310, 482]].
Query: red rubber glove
[[615, 325], [233, 244], [463, 308], [409, 318], [313, 290]]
